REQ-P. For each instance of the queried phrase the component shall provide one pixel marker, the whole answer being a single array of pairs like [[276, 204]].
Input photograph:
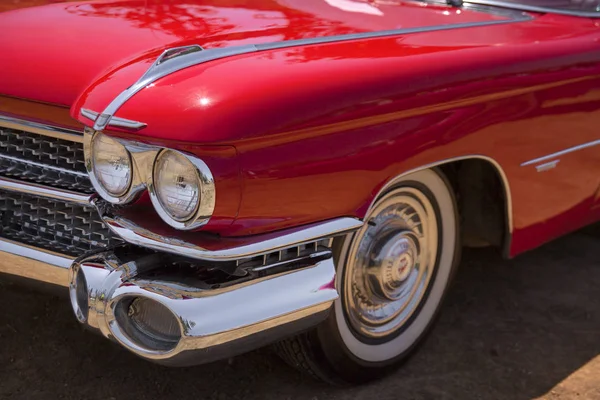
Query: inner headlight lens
[[112, 165], [177, 185]]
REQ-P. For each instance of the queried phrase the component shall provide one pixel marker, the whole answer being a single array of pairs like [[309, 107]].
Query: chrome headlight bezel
[[143, 159], [206, 199]]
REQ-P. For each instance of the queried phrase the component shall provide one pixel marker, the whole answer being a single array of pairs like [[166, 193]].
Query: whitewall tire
[[392, 277]]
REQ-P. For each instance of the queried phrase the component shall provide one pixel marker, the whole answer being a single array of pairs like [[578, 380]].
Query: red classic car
[[208, 177]]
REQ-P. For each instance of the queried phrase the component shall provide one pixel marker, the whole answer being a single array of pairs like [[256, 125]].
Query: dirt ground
[[522, 329]]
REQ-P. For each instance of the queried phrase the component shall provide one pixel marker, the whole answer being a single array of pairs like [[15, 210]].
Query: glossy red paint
[[318, 130], [82, 42]]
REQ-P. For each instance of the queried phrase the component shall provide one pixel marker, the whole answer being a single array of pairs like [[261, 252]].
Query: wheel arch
[[458, 175]]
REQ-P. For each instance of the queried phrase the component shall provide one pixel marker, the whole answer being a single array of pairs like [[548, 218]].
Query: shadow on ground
[[509, 330]]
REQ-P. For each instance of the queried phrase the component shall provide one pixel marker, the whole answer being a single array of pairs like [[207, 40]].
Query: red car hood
[[58, 50]]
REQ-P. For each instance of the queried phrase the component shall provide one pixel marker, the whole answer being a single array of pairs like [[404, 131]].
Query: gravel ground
[[521, 329]]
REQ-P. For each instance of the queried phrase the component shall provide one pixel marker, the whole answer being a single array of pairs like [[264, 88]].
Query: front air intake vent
[[305, 253]]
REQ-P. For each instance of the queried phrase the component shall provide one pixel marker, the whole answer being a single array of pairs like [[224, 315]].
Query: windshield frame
[[526, 7]]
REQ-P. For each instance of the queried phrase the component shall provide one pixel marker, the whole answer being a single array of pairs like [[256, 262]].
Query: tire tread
[[298, 353]]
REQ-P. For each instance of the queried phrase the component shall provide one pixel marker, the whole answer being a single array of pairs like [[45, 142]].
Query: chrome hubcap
[[391, 263]]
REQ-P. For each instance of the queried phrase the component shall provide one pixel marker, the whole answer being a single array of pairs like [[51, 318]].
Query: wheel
[[392, 277]]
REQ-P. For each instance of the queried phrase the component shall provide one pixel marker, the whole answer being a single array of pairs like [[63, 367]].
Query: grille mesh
[[44, 160], [53, 225]]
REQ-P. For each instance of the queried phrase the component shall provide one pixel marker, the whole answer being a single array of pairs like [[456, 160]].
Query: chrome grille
[[42, 159], [62, 227]]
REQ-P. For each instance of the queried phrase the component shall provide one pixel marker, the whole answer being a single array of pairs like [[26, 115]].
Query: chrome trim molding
[[134, 234], [547, 166], [41, 129], [29, 262], [45, 191], [176, 59], [561, 153], [525, 7], [213, 323], [115, 121], [517, 17]]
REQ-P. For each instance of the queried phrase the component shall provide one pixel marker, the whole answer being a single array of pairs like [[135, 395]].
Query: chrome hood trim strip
[[166, 64], [176, 59]]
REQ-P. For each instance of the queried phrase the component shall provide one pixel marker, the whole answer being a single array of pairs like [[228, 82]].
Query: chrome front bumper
[[39, 265], [213, 323]]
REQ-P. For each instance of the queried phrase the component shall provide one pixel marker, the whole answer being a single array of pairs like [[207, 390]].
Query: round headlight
[[177, 185], [112, 165]]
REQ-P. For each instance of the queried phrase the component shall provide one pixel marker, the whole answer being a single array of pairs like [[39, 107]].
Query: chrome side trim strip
[[525, 7], [41, 129], [25, 261], [134, 234], [176, 59], [115, 121], [45, 191], [44, 166], [547, 166], [561, 153]]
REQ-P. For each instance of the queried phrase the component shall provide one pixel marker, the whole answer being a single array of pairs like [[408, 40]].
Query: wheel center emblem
[[403, 267]]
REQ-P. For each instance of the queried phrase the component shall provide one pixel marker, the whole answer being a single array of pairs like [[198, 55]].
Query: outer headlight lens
[[112, 165], [177, 185]]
